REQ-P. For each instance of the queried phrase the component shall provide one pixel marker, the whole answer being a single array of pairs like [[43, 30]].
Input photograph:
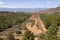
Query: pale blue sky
[[29, 3]]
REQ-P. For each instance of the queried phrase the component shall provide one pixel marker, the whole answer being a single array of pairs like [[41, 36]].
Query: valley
[[35, 25]]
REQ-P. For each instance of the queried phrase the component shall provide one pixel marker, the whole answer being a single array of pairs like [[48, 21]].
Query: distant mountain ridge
[[22, 9], [52, 10]]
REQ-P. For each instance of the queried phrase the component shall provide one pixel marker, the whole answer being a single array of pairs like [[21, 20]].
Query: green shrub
[[18, 32], [28, 36], [10, 37]]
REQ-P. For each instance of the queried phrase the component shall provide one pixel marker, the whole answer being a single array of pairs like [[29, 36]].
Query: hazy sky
[[29, 3]]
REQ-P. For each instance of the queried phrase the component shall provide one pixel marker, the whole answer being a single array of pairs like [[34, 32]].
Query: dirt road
[[37, 22], [37, 26]]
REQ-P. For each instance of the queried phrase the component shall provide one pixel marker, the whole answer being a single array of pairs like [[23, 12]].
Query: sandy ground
[[34, 29]]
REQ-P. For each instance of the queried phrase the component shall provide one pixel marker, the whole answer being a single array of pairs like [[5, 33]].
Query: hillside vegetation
[[8, 19], [52, 22]]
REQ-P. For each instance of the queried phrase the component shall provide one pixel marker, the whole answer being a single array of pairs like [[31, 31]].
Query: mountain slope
[[52, 10]]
